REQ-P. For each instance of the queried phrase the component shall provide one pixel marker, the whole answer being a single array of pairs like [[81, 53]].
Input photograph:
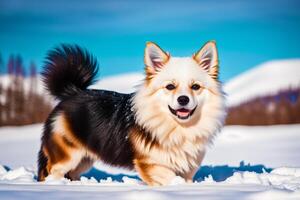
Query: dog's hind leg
[[42, 165], [84, 165], [61, 153], [60, 169], [62, 156]]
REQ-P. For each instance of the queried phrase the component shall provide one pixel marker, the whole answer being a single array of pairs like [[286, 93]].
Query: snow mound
[[280, 178], [265, 79], [24, 175], [124, 83]]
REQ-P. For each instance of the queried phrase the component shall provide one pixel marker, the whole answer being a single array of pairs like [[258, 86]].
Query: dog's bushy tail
[[68, 70]]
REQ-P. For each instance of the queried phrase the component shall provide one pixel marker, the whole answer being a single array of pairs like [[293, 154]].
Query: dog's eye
[[170, 87], [195, 87]]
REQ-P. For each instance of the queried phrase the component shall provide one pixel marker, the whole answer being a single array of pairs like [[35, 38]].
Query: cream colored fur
[[182, 143]]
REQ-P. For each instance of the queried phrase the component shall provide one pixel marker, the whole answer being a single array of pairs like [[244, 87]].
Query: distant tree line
[[20, 103], [280, 108]]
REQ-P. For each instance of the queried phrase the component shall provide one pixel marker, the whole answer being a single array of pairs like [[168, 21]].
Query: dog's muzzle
[[182, 113]]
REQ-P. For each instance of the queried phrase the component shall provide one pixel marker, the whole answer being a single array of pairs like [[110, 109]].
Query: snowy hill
[[267, 78], [264, 79], [124, 83]]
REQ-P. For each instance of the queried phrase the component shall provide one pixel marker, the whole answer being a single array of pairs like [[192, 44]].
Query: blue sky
[[247, 32]]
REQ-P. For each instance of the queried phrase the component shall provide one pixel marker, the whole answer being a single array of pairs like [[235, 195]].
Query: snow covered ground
[[221, 177]]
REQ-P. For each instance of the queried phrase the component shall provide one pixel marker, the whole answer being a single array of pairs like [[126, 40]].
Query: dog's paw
[[177, 180]]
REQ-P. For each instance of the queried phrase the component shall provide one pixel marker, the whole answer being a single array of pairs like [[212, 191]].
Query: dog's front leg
[[190, 175], [154, 174]]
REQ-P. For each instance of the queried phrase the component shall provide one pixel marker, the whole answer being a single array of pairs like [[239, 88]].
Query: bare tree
[[20, 105], [280, 108]]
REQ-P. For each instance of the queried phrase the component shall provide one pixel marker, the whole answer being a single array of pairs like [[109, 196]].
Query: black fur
[[99, 119], [68, 69], [102, 120], [42, 165]]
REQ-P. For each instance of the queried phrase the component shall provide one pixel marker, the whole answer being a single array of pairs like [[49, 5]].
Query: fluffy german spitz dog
[[161, 130]]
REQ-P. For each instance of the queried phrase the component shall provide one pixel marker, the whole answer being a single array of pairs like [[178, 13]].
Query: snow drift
[[265, 79], [280, 178], [274, 146]]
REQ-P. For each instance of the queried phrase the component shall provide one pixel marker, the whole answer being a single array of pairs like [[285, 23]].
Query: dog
[[161, 130]]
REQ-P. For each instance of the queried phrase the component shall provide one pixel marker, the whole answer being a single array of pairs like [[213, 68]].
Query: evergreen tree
[[2, 70], [11, 65]]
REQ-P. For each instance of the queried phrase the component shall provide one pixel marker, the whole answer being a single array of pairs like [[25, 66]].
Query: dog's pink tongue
[[183, 112]]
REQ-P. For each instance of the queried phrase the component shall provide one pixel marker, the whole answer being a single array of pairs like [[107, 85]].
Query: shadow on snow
[[218, 173]]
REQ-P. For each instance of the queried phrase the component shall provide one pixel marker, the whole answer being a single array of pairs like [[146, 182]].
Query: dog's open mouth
[[182, 113]]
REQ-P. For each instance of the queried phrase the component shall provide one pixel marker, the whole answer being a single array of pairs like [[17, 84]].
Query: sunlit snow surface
[[281, 182], [274, 147]]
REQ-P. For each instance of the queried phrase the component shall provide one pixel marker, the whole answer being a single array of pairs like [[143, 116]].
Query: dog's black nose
[[183, 100]]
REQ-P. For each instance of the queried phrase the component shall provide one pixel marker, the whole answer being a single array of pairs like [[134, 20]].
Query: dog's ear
[[207, 58], [155, 58]]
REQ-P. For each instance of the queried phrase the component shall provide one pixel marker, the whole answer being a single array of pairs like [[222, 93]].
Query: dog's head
[[178, 86], [181, 96]]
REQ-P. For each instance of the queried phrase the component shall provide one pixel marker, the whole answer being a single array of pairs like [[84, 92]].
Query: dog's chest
[[181, 158]]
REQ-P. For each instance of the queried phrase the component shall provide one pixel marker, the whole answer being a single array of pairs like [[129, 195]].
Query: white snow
[[278, 178], [124, 83], [274, 146], [264, 79], [19, 145], [241, 185]]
